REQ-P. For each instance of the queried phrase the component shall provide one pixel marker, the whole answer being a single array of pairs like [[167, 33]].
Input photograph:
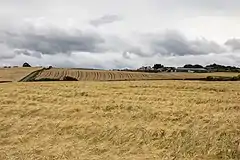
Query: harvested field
[[98, 75], [15, 74], [120, 120]]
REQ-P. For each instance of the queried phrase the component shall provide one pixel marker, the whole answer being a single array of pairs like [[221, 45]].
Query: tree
[[193, 66], [222, 68], [26, 64], [188, 66], [197, 66], [157, 66]]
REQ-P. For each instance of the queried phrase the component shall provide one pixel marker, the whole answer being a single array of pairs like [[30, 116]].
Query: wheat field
[[120, 120], [102, 75], [15, 74]]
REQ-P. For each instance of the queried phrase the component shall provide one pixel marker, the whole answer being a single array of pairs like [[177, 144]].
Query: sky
[[119, 34]]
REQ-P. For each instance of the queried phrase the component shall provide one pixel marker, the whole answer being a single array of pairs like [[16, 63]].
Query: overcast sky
[[118, 34]]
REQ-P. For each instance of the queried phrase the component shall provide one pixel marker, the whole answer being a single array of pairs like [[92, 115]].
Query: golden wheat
[[120, 120], [101, 75], [15, 74]]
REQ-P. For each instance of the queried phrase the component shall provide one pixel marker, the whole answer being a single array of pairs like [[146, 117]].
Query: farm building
[[147, 68], [192, 70]]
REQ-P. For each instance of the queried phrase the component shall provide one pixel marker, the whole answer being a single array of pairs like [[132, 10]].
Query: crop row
[[93, 75]]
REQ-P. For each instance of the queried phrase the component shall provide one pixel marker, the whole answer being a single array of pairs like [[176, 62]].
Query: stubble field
[[103, 75], [120, 120], [39, 74], [15, 74]]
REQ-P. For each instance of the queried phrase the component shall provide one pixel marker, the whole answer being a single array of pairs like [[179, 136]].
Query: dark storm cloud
[[105, 20], [172, 43], [234, 44], [176, 44], [28, 53], [24, 52], [53, 41], [138, 51], [36, 43]]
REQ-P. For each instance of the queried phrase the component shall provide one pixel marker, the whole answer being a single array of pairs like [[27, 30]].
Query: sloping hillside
[[40, 74], [100, 75]]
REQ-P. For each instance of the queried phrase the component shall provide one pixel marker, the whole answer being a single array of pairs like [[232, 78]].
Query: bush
[[68, 78], [47, 79], [50, 67], [234, 78], [210, 78]]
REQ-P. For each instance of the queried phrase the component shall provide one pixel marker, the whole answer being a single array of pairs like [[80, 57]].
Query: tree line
[[215, 67]]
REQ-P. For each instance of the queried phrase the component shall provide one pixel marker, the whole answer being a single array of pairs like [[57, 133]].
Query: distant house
[[147, 68], [192, 70]]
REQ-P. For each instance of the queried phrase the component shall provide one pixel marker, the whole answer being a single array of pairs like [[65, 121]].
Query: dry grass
[[15, 74], [120, 120], [96, 75]]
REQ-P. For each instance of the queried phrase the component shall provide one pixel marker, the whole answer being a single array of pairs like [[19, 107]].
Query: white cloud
[[60, 27]]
